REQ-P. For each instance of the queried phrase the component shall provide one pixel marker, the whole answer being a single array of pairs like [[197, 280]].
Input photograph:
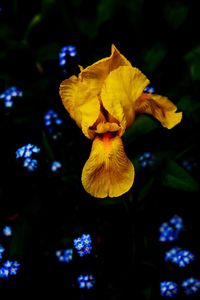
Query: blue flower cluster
[[168, 288], [65, 52], [180, 257], [9, 268], [191, 286], [146, 160], [25, 153], [83, 244], [9, 94], [86, 281], [56, 165], [65, 255], [7, 231], [149, 89], [189, 164], [169, 231], [52, 122]]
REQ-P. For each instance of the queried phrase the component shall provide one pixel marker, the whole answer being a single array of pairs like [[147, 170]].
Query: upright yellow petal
[[108, 171], [81, 102], [119, 92], [160, 107], [97, 72]]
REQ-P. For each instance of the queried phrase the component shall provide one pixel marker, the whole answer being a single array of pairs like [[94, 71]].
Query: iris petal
[[160, 107], [108, 171], [81, 102], [120, 90]]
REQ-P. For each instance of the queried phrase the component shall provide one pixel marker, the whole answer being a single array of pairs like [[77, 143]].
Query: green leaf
[[176, 177], [154, 56], [146, 190], [32, 24], [190, 107], [142, 125], [192, 59], [175, 14], [47, 147]]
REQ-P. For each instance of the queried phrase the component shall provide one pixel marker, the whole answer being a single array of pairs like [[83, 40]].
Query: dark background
[[48, 210]]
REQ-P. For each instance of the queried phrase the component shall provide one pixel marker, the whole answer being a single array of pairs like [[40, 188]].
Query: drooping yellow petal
[[160, 107], [119, 92], [97, 72], [81, 102], [108, 171]]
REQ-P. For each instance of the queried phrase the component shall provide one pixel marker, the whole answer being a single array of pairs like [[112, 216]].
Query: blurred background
[[53, 235]]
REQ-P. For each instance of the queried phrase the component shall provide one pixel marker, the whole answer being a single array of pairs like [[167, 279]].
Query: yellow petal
[[81, 102], [119, 92], [160, 107], [108, 171], [97, 72]]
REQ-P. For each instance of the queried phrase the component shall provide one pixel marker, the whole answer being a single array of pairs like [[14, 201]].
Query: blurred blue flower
[[83, 244], [52, 122], [179, 256], [2, 249], [4, 272], [170, 231], [9, 94], [30, 164], [86, 281], [27, 151], [7, 231], [65, 52], [149, 89], [146, 160], [191, 285], [56, 165], [65, 255], [168, 288], [189, 164]]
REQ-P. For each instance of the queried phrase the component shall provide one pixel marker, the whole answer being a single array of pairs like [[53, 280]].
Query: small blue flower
[[83, 244], [191, 285], [65, 255], [4, 272], [7, 231], [168, 288], [149, 89], [27, 151], [2, 249], [169, 231], [180, 257], [189, 164], [65, 52], [146, 160], [30, 164], [56, 165], [86, 281], [52, 122], [9, 94]]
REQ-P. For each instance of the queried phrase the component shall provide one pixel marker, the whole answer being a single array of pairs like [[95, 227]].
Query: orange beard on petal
[[108, 171]]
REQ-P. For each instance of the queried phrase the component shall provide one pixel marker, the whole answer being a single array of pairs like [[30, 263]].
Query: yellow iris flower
[[103, 100]]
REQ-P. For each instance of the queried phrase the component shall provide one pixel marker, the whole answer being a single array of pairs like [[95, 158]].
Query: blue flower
[[65, 52], [2, 249], [189, 164], [146, 160], [52, 121], [65, 255], [9, 268], [27, 151], [86, 281], [169, 231], [191, 286], [83, 244], [4, 272], [7, 231], [9, 94], [56, 165], [168, 288], [30, 164], [149, 89], [179, 256]]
